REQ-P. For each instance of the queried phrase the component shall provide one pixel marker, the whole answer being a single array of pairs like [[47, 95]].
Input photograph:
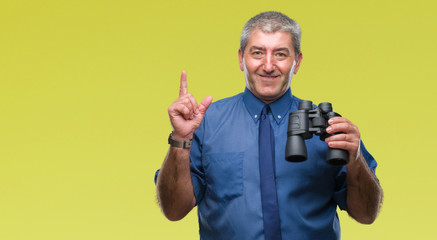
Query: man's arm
[[364, 193], [174, 186]]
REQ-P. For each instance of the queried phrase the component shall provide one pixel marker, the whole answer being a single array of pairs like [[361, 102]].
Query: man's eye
[[257, 54]]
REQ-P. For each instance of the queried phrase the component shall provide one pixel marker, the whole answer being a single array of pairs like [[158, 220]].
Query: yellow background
[[85, 86]]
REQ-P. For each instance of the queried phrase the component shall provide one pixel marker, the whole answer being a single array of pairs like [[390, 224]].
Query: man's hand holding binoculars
[[347, 139]]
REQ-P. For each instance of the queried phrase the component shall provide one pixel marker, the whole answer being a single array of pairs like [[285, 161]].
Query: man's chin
[[268, 96]]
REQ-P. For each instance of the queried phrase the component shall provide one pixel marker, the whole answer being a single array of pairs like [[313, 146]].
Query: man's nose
[[269, 64]]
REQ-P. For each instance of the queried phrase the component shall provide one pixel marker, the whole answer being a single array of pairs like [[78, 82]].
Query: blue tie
[[272, 224]]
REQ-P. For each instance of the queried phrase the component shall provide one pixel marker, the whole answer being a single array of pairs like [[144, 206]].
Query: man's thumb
[[204, 105]]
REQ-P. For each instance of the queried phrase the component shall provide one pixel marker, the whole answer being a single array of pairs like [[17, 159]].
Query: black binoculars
[[305, 122]]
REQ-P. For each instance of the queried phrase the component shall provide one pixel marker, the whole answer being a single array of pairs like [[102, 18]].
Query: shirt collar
[[279, 107]]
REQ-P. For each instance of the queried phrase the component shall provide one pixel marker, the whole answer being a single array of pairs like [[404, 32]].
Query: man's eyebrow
[[256, 48], [276, 50], [283, 49]]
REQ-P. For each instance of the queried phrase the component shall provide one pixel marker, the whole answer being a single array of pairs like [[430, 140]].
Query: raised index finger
[[183, 89]]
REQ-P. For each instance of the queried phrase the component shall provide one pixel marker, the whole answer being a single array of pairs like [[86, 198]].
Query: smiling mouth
[[268, 76]]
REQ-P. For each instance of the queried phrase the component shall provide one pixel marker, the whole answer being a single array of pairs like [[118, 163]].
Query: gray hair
[[271, 22]]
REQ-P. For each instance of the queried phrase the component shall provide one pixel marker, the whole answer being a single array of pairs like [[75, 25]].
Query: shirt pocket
[[224, 175]]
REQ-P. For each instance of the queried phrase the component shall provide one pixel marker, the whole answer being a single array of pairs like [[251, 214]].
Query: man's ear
[[240, 59], [299, 60]]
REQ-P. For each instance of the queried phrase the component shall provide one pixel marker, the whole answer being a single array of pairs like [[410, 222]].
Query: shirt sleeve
[[196, 166], [341, 187]]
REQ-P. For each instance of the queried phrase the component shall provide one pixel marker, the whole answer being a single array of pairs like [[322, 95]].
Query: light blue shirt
[[226, 181]]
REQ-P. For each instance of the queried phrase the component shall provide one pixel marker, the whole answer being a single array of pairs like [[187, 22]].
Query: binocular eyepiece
[[305, 122]]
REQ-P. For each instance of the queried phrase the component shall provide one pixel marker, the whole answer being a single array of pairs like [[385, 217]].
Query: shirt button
[[279, 116], [256, 116]]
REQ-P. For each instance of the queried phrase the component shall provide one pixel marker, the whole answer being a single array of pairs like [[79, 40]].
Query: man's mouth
[[271, 77]]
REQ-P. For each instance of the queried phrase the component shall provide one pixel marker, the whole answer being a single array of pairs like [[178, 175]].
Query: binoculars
[[305, 122]]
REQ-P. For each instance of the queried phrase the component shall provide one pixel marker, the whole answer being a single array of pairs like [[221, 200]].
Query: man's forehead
[[271, 40]]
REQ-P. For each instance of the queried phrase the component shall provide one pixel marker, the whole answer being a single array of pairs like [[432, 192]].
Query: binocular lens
[[337, 157], [295, 150]]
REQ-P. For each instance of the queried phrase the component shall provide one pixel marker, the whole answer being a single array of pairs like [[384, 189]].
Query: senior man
[[229, 161]]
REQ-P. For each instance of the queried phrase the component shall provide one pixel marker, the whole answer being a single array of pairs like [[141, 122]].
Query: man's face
[[268, 59]]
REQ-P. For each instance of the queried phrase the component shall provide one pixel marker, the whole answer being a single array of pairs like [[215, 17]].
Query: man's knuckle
[[357, 129]]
